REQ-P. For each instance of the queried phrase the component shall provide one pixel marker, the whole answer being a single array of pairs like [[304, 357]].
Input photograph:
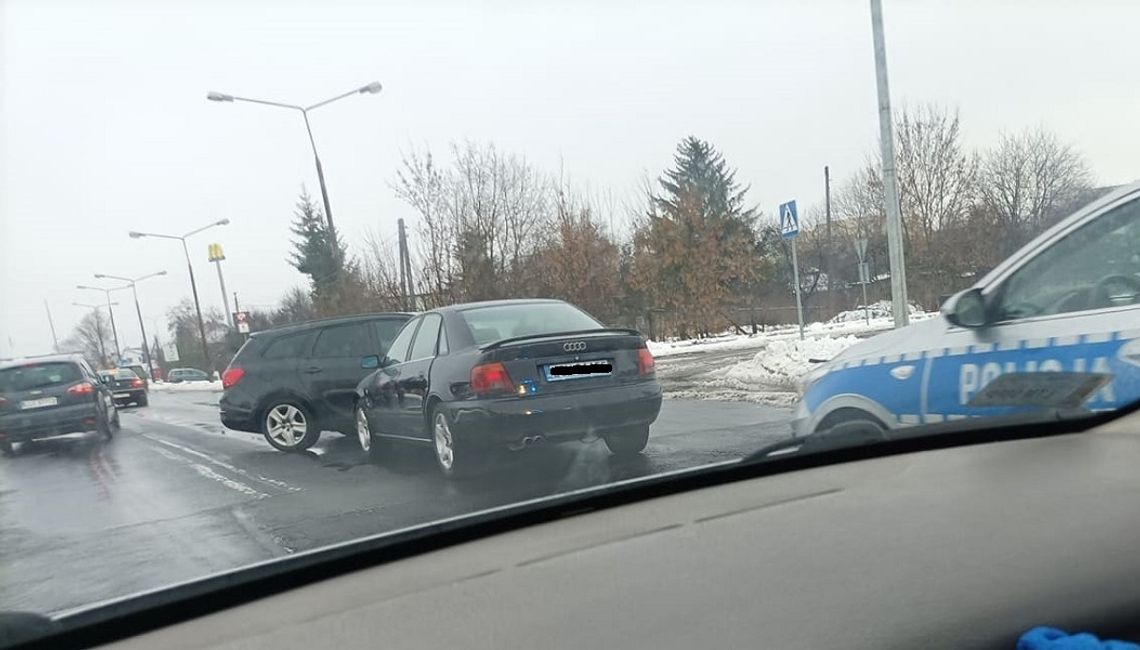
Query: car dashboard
[[959, 547]]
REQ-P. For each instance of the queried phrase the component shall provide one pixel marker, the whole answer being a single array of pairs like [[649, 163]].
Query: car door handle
[[312, 370]]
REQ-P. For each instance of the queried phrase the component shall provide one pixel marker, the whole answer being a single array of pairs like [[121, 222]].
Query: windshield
[[380, 265], [488, 324]]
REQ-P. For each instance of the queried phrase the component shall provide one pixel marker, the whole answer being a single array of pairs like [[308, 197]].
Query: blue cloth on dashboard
[[1050, 638]]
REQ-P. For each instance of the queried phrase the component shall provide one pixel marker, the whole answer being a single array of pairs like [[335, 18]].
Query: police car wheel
[[851, 417]]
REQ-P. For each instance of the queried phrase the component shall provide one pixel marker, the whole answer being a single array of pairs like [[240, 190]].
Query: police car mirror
[[966, 309]]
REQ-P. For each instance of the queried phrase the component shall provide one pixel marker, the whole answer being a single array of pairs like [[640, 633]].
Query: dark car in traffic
[[52, 396], [126, 386], [291, 382], [477, 378]]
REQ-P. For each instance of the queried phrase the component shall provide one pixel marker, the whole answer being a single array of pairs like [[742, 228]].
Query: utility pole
[[51, 324], [890, 183], [216, 256], [403, 246], [827, 266]]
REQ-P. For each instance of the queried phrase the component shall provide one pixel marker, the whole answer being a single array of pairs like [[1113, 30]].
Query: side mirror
[[966, 309], [369, 362]]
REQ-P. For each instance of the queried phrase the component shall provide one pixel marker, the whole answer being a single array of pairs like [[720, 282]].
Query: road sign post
[[241, 318], [790, 229], [864, 275]]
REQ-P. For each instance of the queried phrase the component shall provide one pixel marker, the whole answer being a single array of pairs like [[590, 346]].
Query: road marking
[[206, 472], [224, 465]]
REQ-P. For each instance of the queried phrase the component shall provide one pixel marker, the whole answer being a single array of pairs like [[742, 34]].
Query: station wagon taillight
[[83, 388], [136, 383], [490, 378], [232, 376]]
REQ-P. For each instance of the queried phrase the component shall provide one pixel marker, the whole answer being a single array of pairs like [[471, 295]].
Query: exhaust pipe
[[527, 441]]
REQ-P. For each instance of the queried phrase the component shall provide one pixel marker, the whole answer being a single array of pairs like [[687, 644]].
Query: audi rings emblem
[[574, 346]]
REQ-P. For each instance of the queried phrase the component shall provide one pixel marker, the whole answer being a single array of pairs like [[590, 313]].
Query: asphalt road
[[175, 496]]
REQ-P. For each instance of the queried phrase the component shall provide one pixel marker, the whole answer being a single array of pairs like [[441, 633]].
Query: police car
[[1066, 303]]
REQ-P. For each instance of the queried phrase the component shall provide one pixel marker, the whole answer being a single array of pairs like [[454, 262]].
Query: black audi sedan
[[478, 378]]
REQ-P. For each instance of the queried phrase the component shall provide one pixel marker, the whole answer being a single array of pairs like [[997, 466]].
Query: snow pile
[[186, 387], [879, 310], [722, 342], [769, 376]]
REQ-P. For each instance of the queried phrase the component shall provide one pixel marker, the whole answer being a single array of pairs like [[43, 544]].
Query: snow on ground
[[767, 367], [186, 387]]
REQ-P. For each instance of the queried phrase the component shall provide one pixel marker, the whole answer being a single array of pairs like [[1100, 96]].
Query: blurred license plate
[[38, 403], [579, 370], [122, 394]]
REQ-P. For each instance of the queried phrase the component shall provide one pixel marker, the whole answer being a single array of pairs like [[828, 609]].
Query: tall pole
[[796, 279], [142, 330], [51, 324], [890, 183], [225, 296], [197, 307], [827, 255], [403, 245], [114, 332], [324, 191]]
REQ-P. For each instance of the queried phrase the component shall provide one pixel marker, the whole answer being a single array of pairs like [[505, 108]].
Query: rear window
[[489, 324], [39, 375], [126, 374]]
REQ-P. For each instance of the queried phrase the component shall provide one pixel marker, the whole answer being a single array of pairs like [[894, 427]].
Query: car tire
[[455, 459], [628, 441], [105, 426], [370, 444], [144, 400], [6, 448], [851, 418], [289, 425]]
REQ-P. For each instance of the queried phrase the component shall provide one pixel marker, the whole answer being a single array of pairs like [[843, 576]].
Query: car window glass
[[386, 331], [287, 347], [398, 351], [1094, 267], [443, 347], [424, 347], [350, 340], [41, 375], [496, 322]]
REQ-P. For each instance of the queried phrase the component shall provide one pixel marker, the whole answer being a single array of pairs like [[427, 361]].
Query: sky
[[105, 127]]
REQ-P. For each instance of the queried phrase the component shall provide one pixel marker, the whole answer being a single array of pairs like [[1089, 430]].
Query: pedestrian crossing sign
[[789, 220]]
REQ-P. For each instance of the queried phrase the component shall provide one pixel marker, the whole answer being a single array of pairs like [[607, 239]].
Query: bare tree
[[1029, 180], [92, 337]]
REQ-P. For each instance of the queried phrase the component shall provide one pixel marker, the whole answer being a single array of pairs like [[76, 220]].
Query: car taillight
[[136, 383], [232, 376], [491, 378], [85, 388], [645, 363]]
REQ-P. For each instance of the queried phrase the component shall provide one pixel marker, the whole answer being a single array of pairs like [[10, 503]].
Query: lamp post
[[114, 332], [372, 88], [142, 330], [96, 308], [193, 284]]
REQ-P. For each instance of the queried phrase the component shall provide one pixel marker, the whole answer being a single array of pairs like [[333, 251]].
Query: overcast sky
[[106, 129]]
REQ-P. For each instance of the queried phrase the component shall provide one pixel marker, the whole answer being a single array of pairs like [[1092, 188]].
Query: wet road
[[175, 496]]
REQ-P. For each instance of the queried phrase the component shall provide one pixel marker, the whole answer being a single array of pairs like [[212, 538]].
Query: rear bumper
[[135, 395], [506, 421], [21, 427], [237, 413]]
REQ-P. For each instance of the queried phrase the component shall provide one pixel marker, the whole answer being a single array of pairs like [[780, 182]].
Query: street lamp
[[96, 308], [372, 88], [114, 332], [131, 283], [193, 285]]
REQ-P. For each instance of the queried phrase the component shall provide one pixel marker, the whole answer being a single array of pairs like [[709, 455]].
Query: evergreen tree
[[312, 252], [696, 248]]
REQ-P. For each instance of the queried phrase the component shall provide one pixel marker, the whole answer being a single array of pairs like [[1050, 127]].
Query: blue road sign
[[789, 220]]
